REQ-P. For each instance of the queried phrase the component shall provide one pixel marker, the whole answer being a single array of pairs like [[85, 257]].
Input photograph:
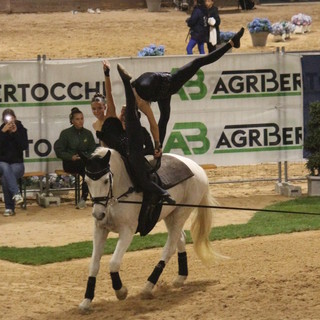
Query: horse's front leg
[[99, 239], [125, 238]]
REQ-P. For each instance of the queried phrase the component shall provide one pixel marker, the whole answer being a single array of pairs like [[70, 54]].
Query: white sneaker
[[90, 10], [8, 213], [18, 199], [81, 204]]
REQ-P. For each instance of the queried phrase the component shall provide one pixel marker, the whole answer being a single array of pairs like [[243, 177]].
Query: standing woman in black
[[213, 24], [160, 86]]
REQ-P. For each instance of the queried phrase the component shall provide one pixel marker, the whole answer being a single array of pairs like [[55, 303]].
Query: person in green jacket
[[71, 142]]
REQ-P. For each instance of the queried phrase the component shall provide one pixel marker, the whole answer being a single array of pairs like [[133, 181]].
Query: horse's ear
[[106, 158]]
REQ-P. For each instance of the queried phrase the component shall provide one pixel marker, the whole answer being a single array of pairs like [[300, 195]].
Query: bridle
[[109, 199], [96, 176]]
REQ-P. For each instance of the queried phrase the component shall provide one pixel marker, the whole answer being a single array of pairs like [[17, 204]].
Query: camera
[[8, 118]]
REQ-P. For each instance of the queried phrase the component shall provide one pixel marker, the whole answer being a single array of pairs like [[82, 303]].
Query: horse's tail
[[201, 228]]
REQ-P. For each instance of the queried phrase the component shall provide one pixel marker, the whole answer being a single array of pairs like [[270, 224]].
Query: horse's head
[[99, 180]]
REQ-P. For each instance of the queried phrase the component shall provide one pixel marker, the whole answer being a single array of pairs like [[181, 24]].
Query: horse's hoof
[[122, 293], [85, 305], [146, 295], [179, 281]]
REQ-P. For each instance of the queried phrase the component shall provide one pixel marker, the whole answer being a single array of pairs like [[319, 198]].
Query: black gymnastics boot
[[236, 38], [123, 72]]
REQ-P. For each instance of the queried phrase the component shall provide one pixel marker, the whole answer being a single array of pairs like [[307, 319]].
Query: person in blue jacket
[[198, 24]]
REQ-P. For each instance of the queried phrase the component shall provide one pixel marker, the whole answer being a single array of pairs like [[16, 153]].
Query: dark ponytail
[[74, 111]]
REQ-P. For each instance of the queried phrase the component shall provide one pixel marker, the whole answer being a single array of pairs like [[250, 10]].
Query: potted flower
[[312, 147], [259, 29], [152, 50], [225, 36], [302, 23], [282, 30]]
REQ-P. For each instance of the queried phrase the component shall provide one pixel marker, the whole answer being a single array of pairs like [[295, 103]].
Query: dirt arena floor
[[124, 33], [272, 277]]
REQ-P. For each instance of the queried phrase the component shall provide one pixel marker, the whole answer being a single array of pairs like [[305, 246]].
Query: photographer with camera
[[13, 141]]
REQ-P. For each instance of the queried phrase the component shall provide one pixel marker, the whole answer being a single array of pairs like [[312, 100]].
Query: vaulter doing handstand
[[160, 86]]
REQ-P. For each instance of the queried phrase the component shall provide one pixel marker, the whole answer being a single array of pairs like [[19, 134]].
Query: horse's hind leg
[[182, 262], [175, 236], [100, 236]]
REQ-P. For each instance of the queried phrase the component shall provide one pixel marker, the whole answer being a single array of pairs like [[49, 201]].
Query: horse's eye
[[106, 181]]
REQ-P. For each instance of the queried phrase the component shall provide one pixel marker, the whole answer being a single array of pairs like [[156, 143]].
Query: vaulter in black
[[159, 86], [136, 141], [130, 142]]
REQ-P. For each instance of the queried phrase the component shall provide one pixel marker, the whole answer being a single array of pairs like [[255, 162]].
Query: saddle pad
[[173, 171]]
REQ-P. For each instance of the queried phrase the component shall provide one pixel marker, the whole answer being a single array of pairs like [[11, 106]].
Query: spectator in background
[[71, 142], [213, 24], [198, 24], [13, 141]]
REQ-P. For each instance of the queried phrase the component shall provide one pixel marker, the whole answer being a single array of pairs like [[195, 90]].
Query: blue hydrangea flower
[[259, 25], [152, 50], [226, 36], [283, 27]]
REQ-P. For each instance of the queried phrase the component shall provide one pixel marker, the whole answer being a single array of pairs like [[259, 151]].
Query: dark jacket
[[72, 141], [13, 144], [214, 13], [198, 24]]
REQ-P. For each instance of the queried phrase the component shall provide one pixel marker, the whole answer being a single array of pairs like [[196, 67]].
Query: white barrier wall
[[243, 109]]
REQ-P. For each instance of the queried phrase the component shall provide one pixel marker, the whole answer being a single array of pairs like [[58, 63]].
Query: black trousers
[[135, 144], [78, 167]]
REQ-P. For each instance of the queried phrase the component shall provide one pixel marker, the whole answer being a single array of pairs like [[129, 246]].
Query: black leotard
[[114, 136], [159, 86]]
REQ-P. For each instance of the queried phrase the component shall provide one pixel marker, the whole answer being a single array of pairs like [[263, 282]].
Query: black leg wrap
[[183, 263], [116, 281], [157, 272], [91, 284]]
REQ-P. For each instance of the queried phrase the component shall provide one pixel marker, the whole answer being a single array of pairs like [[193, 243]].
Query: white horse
[[112, 181]]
